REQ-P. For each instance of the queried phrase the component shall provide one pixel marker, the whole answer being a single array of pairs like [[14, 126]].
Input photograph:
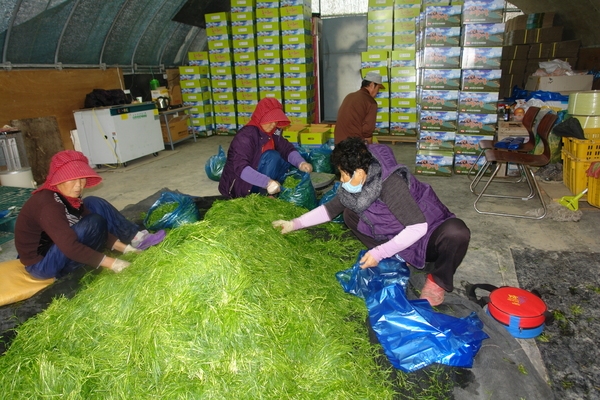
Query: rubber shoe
[[135, 242], [432, 292], [151, 239]]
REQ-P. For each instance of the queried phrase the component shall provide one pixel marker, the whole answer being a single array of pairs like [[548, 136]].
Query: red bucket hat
[[269, 110], [67, 165]]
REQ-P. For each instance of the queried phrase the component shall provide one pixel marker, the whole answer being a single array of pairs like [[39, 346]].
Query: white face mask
[[350, 188]]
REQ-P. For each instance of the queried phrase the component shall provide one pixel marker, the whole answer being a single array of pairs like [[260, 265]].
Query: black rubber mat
[[569, 283]]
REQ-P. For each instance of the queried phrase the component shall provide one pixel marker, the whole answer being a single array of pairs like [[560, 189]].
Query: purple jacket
[[381, 223], [245, 150]]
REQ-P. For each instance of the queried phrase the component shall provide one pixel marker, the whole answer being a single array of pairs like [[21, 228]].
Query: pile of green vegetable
[[291, 182], [224, 308], [159, 212]]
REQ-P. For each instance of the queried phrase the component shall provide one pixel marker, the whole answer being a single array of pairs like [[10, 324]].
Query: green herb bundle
[[224, 308], [291, 182], [160, 212]]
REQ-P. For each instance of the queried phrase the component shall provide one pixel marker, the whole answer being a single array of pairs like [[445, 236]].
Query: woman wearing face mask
[[392, 213], [258, 156]]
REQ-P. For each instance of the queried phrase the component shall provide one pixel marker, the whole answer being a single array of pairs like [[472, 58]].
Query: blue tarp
[[411, 333]]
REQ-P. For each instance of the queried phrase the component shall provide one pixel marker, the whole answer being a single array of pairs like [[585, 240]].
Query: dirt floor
[[569, 283]]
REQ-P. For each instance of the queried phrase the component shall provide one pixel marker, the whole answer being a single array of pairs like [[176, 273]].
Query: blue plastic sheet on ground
[[411, 333], [303, 194], [215, 164], [185, 213]]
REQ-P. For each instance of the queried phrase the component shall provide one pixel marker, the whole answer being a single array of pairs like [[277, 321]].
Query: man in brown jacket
[[357, 114]]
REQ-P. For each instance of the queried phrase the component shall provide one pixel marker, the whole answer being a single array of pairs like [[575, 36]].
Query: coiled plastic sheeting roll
[[584, 103]]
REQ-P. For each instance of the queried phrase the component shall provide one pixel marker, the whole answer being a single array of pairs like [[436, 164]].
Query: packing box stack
[[439, 52], [196, 92], [380, 24], [219, 39], [298, 61], [403, 72], [245, 69], [262, 48], [529, 40], [482, 40]]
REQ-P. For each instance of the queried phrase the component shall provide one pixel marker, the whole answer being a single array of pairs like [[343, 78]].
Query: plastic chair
[[528, 120], [524, 161]]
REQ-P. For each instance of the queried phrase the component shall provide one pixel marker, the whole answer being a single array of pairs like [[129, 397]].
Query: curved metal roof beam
[[64, 30], [143, 33], [189, 43], [164, 47], [115, 19], [10, 25]]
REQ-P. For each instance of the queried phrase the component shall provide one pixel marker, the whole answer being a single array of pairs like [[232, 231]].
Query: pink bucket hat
[[67, 165]]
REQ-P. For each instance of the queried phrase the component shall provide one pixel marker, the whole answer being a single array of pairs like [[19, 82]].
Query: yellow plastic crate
[[582, 149], [593, 194], [574, 173]]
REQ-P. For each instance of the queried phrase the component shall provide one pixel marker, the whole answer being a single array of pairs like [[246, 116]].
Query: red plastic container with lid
[[510, 302], [522, 312]]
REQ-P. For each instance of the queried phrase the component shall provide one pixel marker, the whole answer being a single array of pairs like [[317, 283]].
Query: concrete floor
[[489, 259]]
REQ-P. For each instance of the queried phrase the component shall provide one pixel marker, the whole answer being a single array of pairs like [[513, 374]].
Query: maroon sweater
[[356, 116], [44, 220]]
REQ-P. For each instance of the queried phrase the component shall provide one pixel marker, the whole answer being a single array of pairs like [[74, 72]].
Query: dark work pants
[[446, 248], [272, 165], [92, 230]]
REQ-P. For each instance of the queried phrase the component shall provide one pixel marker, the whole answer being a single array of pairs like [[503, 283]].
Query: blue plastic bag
[[215, 164], [518, 93], [412, 335], [328, 196], [304, 152], [185, 213], [320, 159], [361, 282], [303, 194]]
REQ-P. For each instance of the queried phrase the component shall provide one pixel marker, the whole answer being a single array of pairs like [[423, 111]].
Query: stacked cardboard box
[[482, 39], [546, 51], [246, 48], [196, 92], [403, 72], [530, 21], [513, 65], [268, 39], [218, 30], [245, 68], [377, 60], [270, 83], [529, 40], [380, 20], [298, 61], [439, 76]]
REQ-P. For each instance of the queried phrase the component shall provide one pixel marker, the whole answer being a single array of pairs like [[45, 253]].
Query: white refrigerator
[[118, 134]]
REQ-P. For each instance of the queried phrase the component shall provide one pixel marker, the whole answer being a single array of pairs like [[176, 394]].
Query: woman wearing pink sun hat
[[57, 230]]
